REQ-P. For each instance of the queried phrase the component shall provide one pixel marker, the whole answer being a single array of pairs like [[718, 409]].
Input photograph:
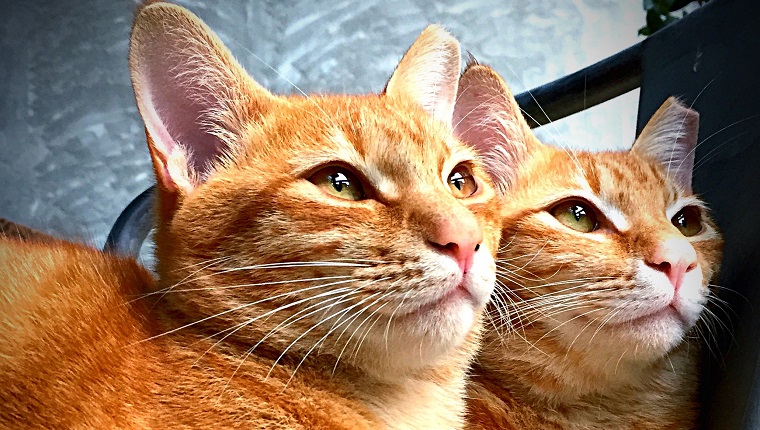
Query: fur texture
[[323, 261], [594, 320], [11, 229]]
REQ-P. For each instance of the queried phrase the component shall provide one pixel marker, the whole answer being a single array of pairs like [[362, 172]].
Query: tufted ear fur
[[429, 73], [670, 137], [487, 117], [191, 93]]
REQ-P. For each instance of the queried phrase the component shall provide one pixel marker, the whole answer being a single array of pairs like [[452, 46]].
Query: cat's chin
[[435, 331], [656, 331], [640, 338], [650, 323], [652, 335]]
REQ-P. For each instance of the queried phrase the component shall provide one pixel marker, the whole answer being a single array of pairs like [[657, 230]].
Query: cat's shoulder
[[44, 269], [81, 345], [66, 306], [54, 292]]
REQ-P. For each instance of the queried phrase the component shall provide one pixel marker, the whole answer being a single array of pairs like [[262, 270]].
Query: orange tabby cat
[[323, 261], [603, 273]]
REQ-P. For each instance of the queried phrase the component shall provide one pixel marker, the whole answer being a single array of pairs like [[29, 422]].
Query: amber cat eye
[[461, 182], [576, 214], [338, 181], [688, 221]]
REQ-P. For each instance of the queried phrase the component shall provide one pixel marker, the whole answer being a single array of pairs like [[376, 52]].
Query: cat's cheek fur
[[422, 335], [651, 319]]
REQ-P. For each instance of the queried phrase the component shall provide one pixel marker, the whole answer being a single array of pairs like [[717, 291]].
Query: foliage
[[659, 13]]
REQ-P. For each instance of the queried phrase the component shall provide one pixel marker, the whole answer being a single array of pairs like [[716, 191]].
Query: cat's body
[[600, 287], [74, 356], [323, 262]]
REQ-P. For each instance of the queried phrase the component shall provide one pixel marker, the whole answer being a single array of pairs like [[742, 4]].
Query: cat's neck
[[543, 372], [431, 399], [427, 398]]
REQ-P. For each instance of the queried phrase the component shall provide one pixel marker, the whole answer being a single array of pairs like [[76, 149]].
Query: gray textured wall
[[72, 149]]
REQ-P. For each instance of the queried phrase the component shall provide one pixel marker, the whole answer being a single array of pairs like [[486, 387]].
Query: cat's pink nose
[[459, 237], [674, 257]]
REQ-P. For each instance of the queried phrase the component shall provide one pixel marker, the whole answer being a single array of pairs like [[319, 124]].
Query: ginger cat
[[603, 273], [323, 261]]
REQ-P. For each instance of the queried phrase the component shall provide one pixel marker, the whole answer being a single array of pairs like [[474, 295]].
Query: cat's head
[[353, 226], [609, 254]]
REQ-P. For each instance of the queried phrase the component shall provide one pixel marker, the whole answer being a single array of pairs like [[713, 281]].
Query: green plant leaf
[[679, 4], [658, 13], [645, 31], [654, 20]]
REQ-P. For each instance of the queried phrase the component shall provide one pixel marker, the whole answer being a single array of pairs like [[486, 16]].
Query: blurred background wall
[[72, 147]]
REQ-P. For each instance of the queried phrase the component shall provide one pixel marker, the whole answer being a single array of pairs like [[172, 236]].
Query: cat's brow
[[341, 150], [380, 181], [384, 185], [682, 203], [613, 214]]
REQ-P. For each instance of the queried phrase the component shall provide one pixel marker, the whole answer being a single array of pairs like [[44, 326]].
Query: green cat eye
[[461, 182], [577, 215], [338, 181], [688, 221]]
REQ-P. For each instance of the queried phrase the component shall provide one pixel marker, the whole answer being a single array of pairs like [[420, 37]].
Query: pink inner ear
[[487, 118], [473, 116], [180, 108]]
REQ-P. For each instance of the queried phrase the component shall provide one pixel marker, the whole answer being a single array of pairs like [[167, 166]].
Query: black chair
[[711, 59]]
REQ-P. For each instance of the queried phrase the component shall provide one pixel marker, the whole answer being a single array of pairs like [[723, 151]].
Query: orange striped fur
[[280, 302], [584, 334]]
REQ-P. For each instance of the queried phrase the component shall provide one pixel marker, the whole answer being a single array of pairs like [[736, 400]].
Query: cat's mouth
[[454, 295], [664, 314]]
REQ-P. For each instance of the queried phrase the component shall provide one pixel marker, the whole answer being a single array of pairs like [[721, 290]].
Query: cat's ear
[[670, 137], [488, 118], [429, 72], [191, 93]]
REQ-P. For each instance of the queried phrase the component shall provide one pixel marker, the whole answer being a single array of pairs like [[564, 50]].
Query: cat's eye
[[688, 221], [338, 181], [461, 182], [576, 214]]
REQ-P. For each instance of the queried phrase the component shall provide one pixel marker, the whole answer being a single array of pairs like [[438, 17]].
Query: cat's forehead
[[627, 188], [385, 141], [629, 184]]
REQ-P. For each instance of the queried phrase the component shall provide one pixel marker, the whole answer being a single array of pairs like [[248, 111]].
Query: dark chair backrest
[[710, 59]]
